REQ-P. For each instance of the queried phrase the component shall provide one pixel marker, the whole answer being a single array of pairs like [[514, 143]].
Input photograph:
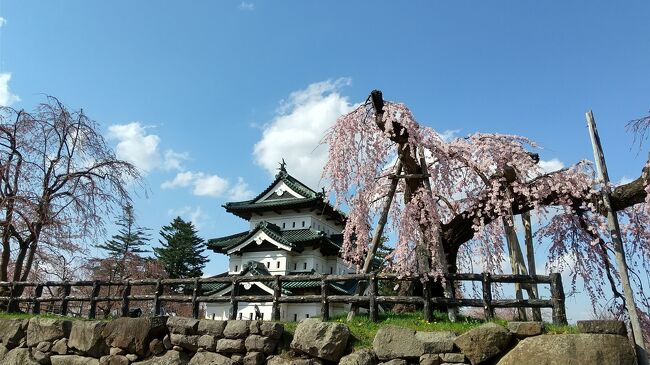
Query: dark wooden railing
[[372, 298]]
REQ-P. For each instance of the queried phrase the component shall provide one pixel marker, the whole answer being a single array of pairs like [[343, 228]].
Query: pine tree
[[182, 250], [127, 244]]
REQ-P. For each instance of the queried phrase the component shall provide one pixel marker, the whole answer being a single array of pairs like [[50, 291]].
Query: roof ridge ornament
[[282, 170]]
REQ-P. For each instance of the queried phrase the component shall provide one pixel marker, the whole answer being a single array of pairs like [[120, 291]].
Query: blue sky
[[206, 95]]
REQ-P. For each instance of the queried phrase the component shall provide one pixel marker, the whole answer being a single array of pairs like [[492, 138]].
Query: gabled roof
[[293, 183], [296, 240], [254, 268], [309, 199], [262, 229]]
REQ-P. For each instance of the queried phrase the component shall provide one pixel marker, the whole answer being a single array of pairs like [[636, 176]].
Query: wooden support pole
[[92, 312], [615, 233], [195, 294], [488, 310], [234, 305], [426, 294], [324, 305], [530, 257], [38, 293], [157, 305], [277, 292], [557, 295], [125, 298], [65, 300], [372, 304]]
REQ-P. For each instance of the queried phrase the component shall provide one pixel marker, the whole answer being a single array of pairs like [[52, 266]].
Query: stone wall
[[185, 341]]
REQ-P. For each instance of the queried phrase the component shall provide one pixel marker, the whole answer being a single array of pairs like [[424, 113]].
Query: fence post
[[125, 298], [156, 298], [38, 292], [324, 304], [64, 300], [557, 292], [94, 293], [233, 302], [195, 301], [487, 297], [372, 300], [10, 302], [277, 292]]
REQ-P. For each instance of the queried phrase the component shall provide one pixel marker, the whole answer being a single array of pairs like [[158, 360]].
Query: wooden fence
[[372, 298]]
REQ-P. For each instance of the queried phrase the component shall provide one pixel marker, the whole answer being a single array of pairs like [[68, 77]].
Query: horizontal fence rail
[[14, 293]]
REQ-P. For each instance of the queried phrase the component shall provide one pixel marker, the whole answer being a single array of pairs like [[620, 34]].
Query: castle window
[[303, 223], [304, 266], [295, 317], [277, 265], [294, 224], [240, 316], [236, 267], [284, 225], [307, 315], [268, 265], [295, 266], [331, 270]]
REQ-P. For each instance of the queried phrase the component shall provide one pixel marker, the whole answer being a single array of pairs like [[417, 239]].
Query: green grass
[[363, 330]]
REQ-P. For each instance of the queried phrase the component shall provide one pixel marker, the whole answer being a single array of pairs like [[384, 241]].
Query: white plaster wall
[[289, 221], [288, 312]]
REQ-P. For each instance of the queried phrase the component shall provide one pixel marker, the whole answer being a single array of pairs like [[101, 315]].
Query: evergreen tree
[[127, 244], [182, 250]]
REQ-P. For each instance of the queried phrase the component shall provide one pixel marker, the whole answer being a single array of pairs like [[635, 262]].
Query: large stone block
[[436, 342], [188, 342], [259, 343], [236, 329], [571, 349], [46, 329], [231, 345], [134, 334], [182, 325], [86, 336], [210, 358], [609, 327], [360, 357], [396, 342], [210, 327], [253, 358], [268, 329], [324, 340], [526, 329], [20, 356], [73, 360], [12, 331], [170, 357], [484, 342]]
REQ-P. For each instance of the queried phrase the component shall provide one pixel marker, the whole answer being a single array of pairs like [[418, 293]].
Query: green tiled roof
[[291, 182], [223, 244], [292, 238], [257, 269], [311, 200]]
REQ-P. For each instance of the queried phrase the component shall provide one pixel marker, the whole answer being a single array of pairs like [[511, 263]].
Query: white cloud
[[209, 185], [246, 6], [299, 126], [142, 149], [449, 135], [213, 186], [193, 214], [3, 21], [240, 191], [6, 97], [624, 180], [551, 165]]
